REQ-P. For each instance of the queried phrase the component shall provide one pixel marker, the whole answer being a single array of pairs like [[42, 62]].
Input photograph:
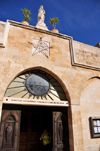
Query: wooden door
[[9, 130], [30, 129], [57, 131]]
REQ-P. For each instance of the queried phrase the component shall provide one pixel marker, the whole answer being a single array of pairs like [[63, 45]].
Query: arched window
[[35, 84]]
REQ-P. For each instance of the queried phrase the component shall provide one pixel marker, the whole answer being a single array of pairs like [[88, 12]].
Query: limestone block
[[4, 29], [90, 107], [87, 56], [87, 148], [78, 148]]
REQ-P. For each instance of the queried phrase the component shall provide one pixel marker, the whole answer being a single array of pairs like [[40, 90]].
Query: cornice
[[18, 24]]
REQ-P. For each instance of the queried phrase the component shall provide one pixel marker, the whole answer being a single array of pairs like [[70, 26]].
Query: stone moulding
[[39, 30], [86, 58], [3, 38], [77, 58]]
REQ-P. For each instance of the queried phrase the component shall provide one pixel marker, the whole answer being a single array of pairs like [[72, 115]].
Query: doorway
[[32, 121]]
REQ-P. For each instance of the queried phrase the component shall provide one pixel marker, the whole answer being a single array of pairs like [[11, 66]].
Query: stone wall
[[2, 28], [90, 107], [86, 56], [17, 57]]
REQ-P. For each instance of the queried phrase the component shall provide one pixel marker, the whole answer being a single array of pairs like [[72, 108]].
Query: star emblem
[[40, 47]]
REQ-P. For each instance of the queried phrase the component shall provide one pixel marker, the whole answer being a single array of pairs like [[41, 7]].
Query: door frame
[[55, 109]]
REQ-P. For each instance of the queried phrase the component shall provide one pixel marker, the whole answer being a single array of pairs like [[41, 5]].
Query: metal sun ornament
[[35, 84]]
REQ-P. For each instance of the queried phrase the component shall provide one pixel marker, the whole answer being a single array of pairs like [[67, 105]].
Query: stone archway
[[66, 94]]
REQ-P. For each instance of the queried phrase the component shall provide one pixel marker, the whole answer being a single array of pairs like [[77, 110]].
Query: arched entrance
[[48, 109]]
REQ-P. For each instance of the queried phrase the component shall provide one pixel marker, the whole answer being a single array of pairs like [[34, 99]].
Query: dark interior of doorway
[[33, 120]]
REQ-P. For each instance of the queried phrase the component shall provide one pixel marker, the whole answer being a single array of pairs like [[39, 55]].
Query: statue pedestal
[[41, 26]]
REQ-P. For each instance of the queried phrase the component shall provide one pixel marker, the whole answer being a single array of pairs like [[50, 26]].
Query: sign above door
[[21, 101]]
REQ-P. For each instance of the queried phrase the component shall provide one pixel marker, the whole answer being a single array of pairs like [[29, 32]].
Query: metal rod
[[22, 78], [50, 97], [57, 91], [17, 81], [54, 82], [15, 93], [37, 85], [29, 96], [54, 95], [24, 95], [55, 85], [16, 87], [33, 96]]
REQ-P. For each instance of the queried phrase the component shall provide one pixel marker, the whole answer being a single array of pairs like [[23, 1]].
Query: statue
[[41, 14], [9, 132], [41, 17], [60, 131]]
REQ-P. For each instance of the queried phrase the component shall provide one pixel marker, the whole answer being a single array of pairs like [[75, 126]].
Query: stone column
[[77, 128]]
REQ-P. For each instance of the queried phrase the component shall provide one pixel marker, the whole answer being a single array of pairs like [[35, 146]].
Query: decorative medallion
[[40, 47], [37, 84]]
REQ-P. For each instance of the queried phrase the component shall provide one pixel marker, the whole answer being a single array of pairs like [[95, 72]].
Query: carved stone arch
[[95, 77], [66, 91], [90, 80], [86, 78], [6, 114], [82, 83]]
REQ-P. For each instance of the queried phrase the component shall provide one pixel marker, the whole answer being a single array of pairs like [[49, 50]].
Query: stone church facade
[[75, 66]]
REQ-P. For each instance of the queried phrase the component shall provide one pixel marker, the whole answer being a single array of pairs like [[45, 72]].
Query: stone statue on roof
[[41, 14], [41, 17]]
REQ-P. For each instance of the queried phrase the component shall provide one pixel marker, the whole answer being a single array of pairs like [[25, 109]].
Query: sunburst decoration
[[35, 84]]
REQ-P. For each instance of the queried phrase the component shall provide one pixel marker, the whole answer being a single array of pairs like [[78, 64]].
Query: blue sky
[[78, 18]]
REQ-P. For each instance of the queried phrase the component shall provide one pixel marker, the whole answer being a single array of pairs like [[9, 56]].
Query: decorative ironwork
[[35, 84]]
